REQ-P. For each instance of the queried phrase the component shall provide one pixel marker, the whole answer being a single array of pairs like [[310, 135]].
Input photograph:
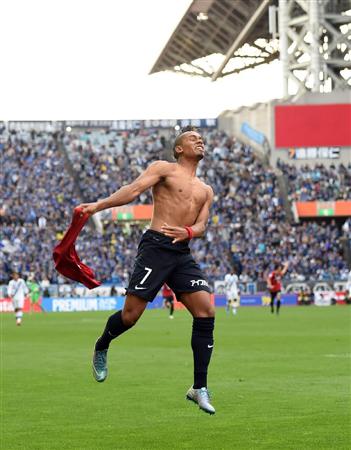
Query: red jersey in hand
[[67, 261]]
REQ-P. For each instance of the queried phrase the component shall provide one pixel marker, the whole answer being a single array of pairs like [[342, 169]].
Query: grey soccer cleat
[[100, 365], [202, 398]]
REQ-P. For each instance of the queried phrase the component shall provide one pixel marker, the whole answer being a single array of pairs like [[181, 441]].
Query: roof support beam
[[267, 60], [242, 36]]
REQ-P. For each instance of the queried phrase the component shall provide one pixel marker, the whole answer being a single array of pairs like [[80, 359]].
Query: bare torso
[[178, 198]]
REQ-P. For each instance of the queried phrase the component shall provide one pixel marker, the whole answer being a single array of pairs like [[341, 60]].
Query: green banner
[[325, 212], [124, 216]]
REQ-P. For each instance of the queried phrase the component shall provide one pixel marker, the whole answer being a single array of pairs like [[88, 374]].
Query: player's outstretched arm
[[285, 268], [126, 194], [198, 228]]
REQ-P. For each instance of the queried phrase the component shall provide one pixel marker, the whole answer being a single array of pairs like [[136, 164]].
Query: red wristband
[[190, 232]]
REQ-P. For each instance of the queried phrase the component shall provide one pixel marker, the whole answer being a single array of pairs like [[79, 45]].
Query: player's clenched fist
[[88, 208]]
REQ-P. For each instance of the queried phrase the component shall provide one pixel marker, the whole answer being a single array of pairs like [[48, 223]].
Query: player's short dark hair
[[178, 139]]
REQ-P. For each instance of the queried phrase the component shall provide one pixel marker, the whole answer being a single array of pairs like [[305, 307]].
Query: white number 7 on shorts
[[148, 271]]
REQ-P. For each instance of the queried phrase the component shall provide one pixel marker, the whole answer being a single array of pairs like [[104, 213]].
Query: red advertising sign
[[132, 212], [6, 305], [313, 125], [318, 209]]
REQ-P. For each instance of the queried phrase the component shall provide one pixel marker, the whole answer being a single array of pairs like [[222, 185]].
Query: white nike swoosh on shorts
[[209, 346], [138, 287]]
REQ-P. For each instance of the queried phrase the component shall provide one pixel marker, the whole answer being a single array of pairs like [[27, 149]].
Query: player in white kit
[[232, 292], [17, 290]]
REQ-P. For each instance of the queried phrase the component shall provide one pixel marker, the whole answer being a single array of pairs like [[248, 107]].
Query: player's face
[[193, 145]]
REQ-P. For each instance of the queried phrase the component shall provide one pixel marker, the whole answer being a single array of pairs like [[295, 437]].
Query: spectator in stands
[[321, 183]]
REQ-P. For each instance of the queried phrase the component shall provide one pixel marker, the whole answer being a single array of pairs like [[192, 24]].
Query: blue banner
[[71, 304], [264, 299], [260, 299], [62, 304], [252, 134]]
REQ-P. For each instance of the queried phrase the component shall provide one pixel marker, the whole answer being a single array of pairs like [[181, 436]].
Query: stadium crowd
[[317, 183], [247, 220], [105, 161], [37, 197]]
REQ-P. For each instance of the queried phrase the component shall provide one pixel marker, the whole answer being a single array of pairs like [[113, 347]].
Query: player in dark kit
[[274, 284], [181, 212], [168, 300]]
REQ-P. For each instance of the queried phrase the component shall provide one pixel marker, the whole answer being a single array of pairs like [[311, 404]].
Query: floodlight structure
[[217, 38], [315, 44]]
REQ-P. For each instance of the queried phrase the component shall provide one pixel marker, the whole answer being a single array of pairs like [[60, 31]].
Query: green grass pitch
[[278, 382]]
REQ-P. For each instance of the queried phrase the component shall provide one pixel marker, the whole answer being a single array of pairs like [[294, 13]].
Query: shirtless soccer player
[[181, 211]]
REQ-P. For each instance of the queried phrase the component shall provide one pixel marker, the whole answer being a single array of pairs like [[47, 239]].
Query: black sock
[[114, 327], [272, 306], [278, 306], [202, 345], [171, 310]]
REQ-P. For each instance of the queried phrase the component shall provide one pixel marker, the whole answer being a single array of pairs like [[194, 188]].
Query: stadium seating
[[40, 187], [317, 183], [37, 199], [105, 161], [249, 220]]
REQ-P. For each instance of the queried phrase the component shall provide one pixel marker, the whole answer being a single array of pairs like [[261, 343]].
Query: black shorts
[[159, 261], [274, 294]]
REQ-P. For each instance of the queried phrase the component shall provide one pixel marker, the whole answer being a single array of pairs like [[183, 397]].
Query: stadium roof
[[219, 27], [216, 38]]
